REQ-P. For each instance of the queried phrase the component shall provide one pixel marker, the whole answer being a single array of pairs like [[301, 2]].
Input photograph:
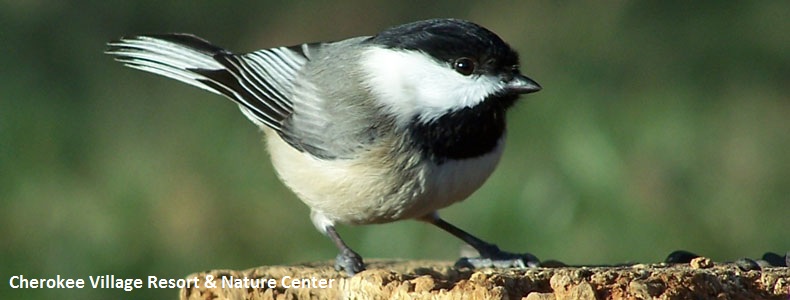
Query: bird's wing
[[307, 115], [260, 82]]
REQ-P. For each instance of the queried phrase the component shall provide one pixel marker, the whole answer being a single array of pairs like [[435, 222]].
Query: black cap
[[450, 39]]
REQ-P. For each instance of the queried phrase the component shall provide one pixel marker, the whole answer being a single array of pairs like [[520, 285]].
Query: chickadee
[[367, 130]]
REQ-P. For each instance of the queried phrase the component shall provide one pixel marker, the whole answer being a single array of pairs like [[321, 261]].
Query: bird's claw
[[349, 261], [500, 259]]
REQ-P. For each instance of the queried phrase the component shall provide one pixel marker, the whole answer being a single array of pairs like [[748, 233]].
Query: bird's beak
[[521, 84]]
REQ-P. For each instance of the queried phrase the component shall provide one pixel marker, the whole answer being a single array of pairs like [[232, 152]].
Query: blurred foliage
[[661, 126]]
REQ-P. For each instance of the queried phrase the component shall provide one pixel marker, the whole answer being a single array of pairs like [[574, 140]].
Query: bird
[[370, 129]]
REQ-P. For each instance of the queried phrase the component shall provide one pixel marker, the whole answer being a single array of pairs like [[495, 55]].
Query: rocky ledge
[[385, 279]]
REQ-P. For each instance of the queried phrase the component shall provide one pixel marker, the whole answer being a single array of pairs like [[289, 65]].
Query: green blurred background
[[661, 126]]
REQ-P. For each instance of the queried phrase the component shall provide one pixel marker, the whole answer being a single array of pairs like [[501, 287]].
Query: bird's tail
[[183, 57], [259, 82]]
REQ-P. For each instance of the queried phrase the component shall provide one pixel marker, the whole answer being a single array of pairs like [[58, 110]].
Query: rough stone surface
[[701, 263], [440, 280]]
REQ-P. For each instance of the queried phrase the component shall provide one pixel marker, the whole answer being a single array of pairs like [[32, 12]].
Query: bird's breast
[[389, 182]]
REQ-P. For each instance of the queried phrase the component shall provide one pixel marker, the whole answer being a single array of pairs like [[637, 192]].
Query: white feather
[[411, 83], [166, 58]]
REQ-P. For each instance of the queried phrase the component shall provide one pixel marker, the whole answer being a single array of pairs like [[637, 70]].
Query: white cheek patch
[[411, 83]]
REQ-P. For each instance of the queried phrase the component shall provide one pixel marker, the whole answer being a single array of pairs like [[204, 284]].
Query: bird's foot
[[349, 261], [495, 258]]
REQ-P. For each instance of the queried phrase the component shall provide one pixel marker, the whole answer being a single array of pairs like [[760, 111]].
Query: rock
[[775, 260], [701, 263], [748, 264], [385, 279], [680, 257], [540, 296]]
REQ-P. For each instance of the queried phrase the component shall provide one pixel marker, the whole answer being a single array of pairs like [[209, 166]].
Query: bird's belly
[[374, 190], [453, 181]]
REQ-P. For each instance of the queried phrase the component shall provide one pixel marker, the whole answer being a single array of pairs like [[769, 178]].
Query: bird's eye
[[464, 65]]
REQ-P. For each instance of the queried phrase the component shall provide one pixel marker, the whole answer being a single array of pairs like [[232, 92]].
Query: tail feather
[[260, 87], [175, 56]]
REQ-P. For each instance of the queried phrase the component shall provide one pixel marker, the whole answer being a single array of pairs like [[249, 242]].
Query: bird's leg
[[490, 255], [347, 259]]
